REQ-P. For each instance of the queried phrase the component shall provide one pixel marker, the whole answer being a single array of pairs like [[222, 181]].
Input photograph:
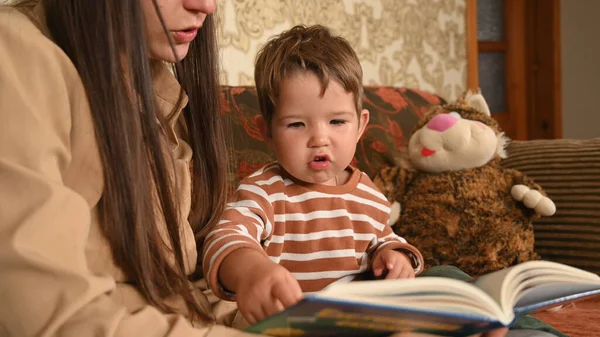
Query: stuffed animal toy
[[452, 199]]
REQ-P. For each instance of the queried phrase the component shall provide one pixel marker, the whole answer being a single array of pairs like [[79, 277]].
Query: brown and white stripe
[[322, 234]]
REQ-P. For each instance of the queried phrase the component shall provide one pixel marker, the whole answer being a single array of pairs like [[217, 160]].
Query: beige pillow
[[569, 172]]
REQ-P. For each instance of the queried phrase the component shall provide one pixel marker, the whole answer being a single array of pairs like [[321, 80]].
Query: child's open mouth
[[320, 162]]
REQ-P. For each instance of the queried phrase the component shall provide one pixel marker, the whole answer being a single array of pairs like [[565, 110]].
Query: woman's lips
[[185, 36]]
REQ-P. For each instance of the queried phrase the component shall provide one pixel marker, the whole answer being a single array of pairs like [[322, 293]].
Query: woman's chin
[[166, 53]]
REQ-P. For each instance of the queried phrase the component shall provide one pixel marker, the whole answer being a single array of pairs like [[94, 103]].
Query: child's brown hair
[[314, 49]]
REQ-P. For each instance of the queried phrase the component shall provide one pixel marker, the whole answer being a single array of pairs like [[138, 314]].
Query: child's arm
[[235, 264], [263, 287], [245, 223]]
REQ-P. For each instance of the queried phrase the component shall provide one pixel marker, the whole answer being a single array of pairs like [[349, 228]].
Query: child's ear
[[363, 120], [264, 129]]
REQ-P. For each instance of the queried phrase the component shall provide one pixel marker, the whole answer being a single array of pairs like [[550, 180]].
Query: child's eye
[[295, 125], [338, 121]]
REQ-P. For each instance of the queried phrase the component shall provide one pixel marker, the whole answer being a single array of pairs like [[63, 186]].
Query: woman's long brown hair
[[104, 40]]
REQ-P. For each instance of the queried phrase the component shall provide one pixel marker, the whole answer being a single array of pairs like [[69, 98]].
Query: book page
[[440, 304], [508, 285], [426, 302], [552, 292], [429, 293], [493, 283]]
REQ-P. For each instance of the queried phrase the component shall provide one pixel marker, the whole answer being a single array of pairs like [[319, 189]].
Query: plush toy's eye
[[455, 114]]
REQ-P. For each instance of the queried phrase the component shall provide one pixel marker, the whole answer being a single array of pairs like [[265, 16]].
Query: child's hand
[[266, 290], [395, 263]]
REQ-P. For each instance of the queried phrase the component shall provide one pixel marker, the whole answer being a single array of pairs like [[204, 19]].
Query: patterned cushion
[[249, 150], [569, 172], [394, 113]]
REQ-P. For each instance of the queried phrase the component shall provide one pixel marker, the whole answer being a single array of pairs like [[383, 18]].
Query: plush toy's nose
[[442, 122]]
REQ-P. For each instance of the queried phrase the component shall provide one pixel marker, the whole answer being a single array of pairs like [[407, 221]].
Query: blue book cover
[[436, 305], [314, 316]]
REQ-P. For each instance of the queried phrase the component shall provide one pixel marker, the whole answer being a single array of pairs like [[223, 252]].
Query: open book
[[436, 305]]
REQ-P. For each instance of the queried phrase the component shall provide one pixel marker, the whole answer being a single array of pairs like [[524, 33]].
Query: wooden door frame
[[472, 46], [544, 69], [533, 89]]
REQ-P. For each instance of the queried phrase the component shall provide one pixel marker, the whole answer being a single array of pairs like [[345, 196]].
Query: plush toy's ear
[[475, 100]]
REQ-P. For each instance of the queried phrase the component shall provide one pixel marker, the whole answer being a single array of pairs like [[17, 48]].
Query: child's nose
[[318, 139], [442, 122]]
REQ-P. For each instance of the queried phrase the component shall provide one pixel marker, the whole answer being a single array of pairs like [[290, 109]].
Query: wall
[[414, 43], [580, 68]]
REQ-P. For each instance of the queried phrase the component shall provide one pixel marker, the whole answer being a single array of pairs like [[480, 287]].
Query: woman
[[99, 209], [99, 213]]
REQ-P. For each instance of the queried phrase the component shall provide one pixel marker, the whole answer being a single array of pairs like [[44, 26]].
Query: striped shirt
[[321, 234]]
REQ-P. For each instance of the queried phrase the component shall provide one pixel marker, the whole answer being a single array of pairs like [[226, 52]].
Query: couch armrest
[[569, 171]]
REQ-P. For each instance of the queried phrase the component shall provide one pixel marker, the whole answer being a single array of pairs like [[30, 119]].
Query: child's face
[[315, 137]]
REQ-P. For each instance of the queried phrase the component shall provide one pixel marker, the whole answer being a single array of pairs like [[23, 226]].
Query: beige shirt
[[57, 273]]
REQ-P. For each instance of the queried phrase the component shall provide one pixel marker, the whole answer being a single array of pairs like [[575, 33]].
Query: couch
[[569, 171]]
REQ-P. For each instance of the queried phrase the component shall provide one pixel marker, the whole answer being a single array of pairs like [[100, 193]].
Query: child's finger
[[378, 262], [275, 306], [378, 265], [249, 317], [266, 309], [288, 295], [407, 272], [388, 260], [394, 272]]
